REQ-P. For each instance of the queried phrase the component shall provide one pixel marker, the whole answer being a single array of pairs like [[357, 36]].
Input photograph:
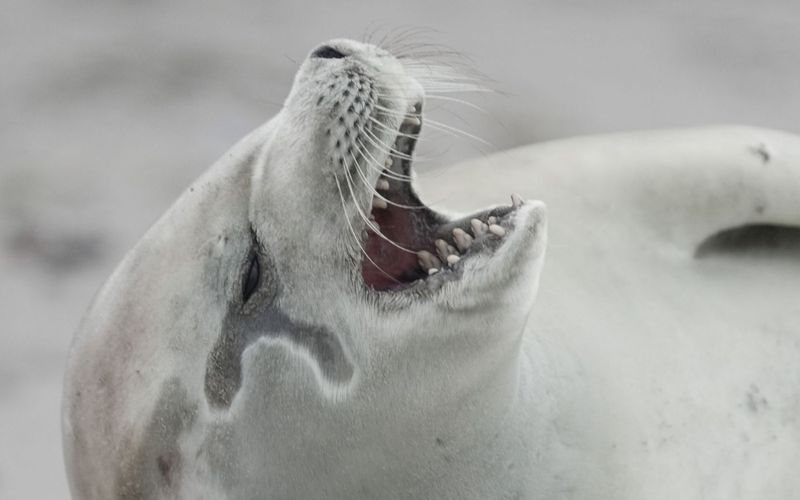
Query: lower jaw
[[452, 246]]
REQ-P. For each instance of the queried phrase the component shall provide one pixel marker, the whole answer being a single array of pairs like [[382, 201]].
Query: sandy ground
[[109, 108]]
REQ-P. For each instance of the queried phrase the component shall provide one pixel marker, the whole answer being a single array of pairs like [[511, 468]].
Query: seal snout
[[409, 245], [372, 119]]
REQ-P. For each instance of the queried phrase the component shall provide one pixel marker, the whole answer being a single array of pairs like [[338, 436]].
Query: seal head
[[300, 324]]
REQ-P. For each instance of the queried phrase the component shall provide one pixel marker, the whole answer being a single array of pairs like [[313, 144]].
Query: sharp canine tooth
[[379, 203], [412, 120], [441, 249], [516, 200], [497, 230], [432, 271], [478, 228], [382, 184], [452, 259], [427, 260], [463, 240], [388, 162]]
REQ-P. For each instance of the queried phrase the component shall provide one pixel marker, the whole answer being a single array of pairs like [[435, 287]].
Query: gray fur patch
[[155, 464], [224, 367]]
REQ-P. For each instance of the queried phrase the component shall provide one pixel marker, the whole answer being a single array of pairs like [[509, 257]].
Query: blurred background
[[109, 109]]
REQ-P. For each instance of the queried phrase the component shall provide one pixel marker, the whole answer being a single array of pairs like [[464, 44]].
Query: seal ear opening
[[764, 240]]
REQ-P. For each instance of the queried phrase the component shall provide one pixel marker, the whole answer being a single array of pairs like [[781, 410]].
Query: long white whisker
[[448, 128], [456, 100], [401, 134], [375, 191], [442, 86], [389, 111], [375, 228], [400, 37], [438, 75], [385, 148], [382, 147], [378, 167], [353, 231], [369, 223]]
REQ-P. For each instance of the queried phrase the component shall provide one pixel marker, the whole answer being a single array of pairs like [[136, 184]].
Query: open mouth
[[409, 244]]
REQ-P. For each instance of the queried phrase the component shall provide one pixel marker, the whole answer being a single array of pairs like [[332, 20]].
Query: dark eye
[[327, 52], [251, 278]]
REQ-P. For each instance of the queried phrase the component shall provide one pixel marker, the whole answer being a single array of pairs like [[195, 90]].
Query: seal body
[[667, 314], [296, 325], [300, 325]]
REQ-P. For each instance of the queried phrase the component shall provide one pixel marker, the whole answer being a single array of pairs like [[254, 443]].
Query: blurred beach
[[109, 109]]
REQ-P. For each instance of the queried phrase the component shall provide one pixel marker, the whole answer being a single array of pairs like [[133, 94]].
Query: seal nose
[[327, 52]]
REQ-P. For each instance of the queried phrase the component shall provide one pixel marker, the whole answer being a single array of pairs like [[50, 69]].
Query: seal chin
[[411, 248], [513, 261]]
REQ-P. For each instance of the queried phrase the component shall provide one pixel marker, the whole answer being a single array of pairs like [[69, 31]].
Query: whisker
[[375, 228], [375, 191], [443, 86], [385, 148], [353, 231], [382, 147], [377, 166], [386, 110], [455, 100], [385, 127], [447, 128], [404, 33]]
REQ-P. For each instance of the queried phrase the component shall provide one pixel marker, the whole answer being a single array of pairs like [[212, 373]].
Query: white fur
[[666, 376], [463, 394]]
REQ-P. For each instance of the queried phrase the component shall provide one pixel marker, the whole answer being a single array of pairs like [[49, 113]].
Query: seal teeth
[[497, 230], [388, 162], [427, 260], [382, 185], [412, 121], [478, 228], [432, 271], [462, 239], [452, 259], [442, 249], [379, 203]]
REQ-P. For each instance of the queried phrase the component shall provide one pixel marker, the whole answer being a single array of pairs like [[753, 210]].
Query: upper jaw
[[440, 250], [408, 248]]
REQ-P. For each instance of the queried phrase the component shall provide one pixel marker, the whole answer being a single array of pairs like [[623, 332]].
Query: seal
[[661, 351], [300, 325]]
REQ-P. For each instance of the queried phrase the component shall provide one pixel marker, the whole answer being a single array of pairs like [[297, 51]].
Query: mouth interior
[[415, 243], [404, 221]]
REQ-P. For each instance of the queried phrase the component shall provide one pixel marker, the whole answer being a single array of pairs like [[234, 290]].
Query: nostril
[[327, 52]]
